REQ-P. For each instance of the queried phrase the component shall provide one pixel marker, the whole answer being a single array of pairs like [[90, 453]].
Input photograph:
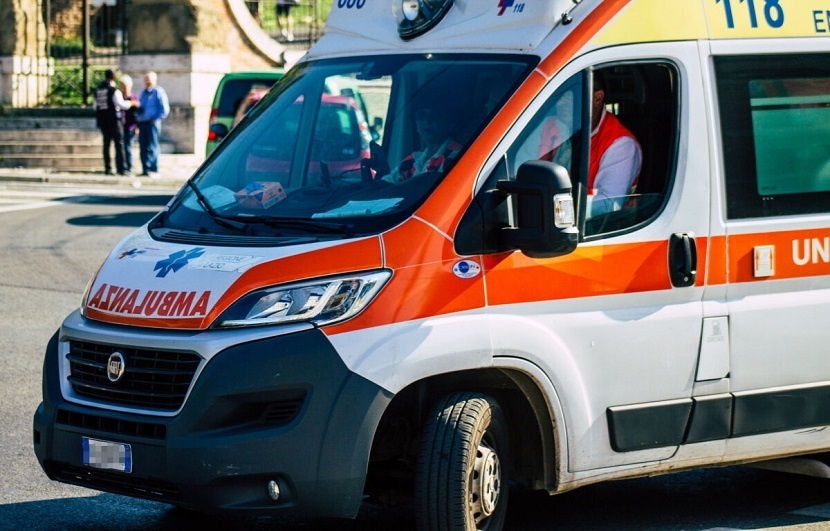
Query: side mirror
[[219, 131], [545, 211]]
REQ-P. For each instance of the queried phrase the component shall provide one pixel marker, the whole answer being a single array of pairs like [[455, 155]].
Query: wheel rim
[[486, 483]]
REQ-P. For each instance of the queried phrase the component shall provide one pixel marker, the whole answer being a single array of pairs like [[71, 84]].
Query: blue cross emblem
[[177, 260]]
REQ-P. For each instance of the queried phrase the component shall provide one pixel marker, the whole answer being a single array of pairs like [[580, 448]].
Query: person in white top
[[615, 159]]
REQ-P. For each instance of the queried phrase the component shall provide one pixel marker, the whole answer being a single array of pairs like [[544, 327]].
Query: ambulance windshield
[[345, 147]]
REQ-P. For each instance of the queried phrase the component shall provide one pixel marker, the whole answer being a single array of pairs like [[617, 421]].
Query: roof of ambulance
[[536, 26], [469, 25]]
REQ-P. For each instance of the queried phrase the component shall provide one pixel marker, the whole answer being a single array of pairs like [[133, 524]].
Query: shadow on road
[[121, 219], [158, 200], [105, 512], [701, 500]]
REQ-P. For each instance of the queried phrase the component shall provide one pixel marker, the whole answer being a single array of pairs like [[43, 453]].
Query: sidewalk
[[174, 170]]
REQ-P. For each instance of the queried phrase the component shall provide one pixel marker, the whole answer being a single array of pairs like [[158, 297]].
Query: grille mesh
[[152, 379], [117, 483], [112, 425]]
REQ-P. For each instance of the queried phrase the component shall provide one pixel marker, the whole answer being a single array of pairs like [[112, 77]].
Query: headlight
[[85, 296], [319, 302]]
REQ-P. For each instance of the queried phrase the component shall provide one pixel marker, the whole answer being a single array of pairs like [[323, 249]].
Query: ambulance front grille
[[153, 379]]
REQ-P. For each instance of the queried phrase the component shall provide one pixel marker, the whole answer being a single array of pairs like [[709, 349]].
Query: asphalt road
[[53, 238]]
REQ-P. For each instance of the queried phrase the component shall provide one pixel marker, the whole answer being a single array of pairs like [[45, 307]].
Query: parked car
[[251, 98], [341, 141], [232, 90]]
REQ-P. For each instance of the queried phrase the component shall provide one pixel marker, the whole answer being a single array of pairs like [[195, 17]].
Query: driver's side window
[[554, 133], [620, 181]]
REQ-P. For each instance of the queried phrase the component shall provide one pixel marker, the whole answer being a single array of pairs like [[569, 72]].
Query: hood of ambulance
[[148, 283], [370, 26]]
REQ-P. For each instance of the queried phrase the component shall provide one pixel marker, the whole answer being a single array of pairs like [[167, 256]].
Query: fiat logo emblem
[[115, 366]]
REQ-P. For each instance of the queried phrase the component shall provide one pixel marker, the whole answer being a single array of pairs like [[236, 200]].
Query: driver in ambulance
[[615, 158], [433, 125]]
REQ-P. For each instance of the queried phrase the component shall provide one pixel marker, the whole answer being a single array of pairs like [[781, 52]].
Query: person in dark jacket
[[109, 106]]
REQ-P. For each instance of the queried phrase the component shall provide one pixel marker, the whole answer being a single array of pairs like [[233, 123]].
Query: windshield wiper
[[220, 220], [303, 224]]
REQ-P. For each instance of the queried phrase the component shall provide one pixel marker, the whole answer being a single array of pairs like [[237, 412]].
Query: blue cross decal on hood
[[177, 260]]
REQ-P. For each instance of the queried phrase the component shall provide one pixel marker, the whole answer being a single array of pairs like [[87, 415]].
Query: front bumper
[[281, 408]]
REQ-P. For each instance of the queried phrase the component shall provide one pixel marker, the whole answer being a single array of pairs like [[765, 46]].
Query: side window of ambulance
[[555, 132], [775, 120], [643, 98], [633, 150], [629, 165]]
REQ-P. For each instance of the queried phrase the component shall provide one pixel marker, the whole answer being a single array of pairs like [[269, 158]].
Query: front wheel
[[461, 480]]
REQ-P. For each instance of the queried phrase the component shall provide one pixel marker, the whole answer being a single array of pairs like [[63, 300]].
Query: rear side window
[[775, 117]]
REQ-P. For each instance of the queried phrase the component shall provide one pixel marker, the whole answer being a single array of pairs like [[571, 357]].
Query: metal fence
[[83, 48], [80, 53], [298, 23]]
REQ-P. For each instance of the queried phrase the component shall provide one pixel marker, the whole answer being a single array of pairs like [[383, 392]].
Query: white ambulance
[[473, 285]]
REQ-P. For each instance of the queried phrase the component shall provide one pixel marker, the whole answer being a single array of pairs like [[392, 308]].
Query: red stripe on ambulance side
[[587, 272], [716, 265], [796, 254]]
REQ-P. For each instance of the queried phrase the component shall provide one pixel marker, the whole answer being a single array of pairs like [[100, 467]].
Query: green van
[[231, 92]]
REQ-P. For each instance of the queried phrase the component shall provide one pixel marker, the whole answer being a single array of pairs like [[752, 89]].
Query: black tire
[[461, 481]]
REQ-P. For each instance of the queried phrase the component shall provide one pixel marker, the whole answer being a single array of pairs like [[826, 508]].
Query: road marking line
[[28, 206]]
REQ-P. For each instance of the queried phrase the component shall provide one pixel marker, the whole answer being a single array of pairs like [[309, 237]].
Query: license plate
[[107, 455]]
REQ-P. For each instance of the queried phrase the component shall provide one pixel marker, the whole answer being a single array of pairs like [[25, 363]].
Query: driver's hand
[[393, 178]]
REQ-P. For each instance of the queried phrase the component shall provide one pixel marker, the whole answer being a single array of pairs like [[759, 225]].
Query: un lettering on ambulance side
[[579, 241]]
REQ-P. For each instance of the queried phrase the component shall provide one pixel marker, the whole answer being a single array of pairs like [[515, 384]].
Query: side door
[[774, 110], [616, 325]]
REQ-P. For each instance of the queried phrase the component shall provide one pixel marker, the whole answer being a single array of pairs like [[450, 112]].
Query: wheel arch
[[532, 429]]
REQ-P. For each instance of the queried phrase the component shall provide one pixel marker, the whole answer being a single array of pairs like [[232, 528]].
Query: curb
[[91, 179], [175, 170]]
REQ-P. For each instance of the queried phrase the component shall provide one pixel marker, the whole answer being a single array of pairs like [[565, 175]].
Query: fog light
[[273, 490]]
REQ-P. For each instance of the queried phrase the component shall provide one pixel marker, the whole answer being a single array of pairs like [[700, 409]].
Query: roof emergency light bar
[[420, 16]]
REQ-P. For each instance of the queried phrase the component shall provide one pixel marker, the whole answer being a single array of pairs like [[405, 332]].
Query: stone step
[[50, 148], [80, 162], [44, 139], [49, 135], [85, 123]]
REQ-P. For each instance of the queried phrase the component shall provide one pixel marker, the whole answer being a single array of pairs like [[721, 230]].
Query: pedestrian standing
[[154, 107], [109, 106], [253, 7], [285, 22], [130, 123]]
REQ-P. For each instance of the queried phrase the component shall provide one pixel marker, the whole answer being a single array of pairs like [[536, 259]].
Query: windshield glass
[[343, 148]]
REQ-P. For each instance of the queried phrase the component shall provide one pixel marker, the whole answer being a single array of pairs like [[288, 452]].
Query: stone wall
[[24, 70], [196, 26], [189, 43], [21, 29]]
